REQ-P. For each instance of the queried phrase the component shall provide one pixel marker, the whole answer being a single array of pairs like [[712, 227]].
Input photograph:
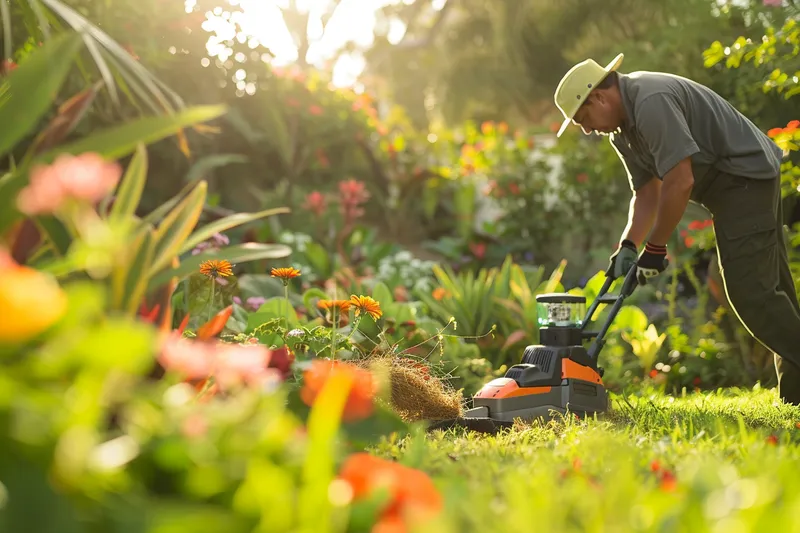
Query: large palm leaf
[[119, 71]]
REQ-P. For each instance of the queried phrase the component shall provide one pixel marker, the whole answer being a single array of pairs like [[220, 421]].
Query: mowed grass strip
[[722, 461]]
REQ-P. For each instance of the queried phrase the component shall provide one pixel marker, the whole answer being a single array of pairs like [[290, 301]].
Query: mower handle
[[628, 286]]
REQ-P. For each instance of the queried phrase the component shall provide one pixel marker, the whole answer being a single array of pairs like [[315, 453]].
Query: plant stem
[[286, 298], [211, 300], [334, 324]]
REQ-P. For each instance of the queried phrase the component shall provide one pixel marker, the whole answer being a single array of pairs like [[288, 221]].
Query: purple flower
[[255, 302], [220, 240]]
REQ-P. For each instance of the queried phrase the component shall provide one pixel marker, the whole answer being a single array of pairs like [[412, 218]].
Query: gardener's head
[[588, 96]]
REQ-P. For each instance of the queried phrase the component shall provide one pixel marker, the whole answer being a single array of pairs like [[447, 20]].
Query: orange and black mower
[[559, 375]]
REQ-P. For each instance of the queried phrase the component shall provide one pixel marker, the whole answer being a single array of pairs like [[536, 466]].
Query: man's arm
[[676, 191], [663, 126], [642, 212]]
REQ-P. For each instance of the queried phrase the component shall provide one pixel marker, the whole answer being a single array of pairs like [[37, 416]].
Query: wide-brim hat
[[577, 83]]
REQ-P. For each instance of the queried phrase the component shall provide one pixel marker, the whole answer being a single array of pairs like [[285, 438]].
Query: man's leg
[[788, 373], [755, 270]]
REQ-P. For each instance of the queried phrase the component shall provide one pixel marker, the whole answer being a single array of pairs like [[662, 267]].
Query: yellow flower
[[285, 273], [214, 268], [366, 305], [30, 303]]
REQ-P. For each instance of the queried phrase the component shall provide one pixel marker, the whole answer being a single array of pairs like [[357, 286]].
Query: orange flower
[[30, 302], [412, 495], [285, 273], [215, 325], [439, 293], [215, 268], [360, 401], [366, 305], [341, 306]]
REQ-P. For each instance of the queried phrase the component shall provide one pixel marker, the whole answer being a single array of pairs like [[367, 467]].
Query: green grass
[[733, 456]]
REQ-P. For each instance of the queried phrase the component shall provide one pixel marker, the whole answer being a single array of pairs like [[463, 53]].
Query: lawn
[[719, 461]]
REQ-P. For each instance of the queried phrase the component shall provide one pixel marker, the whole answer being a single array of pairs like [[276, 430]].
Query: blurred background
[[407, 134]]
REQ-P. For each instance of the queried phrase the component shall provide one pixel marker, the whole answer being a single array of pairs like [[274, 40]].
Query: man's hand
[[622, 260], [652, 262]]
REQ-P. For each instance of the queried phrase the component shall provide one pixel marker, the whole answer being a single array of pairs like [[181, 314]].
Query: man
[[680, 141]]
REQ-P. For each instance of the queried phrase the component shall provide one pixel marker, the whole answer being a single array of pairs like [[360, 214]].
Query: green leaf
[[129, 280], [29, 91], [130, 189], [271, 309], [240, 253], [210, 162], [382, 294], [177, 226], [121, 140], [56, 233], [112, 143], [226, 223]]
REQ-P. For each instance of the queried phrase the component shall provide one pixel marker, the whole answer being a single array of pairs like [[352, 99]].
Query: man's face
[[596, 115]]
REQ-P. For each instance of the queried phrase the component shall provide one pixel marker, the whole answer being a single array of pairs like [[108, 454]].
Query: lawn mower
[[559, 375]]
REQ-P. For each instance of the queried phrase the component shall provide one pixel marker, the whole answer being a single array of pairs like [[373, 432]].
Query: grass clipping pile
[[415, 395]]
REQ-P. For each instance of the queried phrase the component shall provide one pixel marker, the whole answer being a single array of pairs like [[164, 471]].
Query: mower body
[[556, 376], [550, 379]]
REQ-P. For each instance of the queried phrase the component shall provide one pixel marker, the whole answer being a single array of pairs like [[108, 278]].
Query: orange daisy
[[366, 305], [341, 306], [214, 268], [285, 273]]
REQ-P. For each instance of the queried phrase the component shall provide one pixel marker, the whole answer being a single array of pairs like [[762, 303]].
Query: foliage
[[135, 255]]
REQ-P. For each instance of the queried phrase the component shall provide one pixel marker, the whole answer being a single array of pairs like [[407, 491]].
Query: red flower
[[772, 440], [315, 202]]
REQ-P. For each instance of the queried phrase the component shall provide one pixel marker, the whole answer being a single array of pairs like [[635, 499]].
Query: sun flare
[[262, 23]]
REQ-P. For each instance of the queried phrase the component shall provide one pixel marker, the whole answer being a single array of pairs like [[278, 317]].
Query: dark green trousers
[[753, 258]]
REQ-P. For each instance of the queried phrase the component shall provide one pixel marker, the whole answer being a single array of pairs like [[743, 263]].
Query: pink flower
[[231, 365], [191, 359], [773, 3], [86, 178]]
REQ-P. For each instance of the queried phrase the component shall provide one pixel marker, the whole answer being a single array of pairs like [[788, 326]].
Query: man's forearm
[[642, 212], [641, 216], [675, 194]]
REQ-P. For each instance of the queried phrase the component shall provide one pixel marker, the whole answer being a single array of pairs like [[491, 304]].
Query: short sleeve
[[663, 127], [637, 175]]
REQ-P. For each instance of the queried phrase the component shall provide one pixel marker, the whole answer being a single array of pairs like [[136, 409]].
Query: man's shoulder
[[641, 85]]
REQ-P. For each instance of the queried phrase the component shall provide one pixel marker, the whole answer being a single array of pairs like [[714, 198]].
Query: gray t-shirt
[[671, 118]]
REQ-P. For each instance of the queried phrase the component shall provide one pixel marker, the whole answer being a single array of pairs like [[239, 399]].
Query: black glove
[[622, 260], [652, 262]]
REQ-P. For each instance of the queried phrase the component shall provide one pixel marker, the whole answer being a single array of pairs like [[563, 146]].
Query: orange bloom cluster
[[215, 268], [285, 273], [341, 306], [666, 478], [31, 301], [413, 497], [366, 305], [694, 225], [790, 128], [361, 399]]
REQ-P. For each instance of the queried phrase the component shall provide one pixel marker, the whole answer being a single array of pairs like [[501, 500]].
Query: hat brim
[[611, 67]]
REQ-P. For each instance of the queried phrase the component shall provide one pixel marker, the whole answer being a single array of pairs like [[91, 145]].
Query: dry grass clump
[[415, 394]]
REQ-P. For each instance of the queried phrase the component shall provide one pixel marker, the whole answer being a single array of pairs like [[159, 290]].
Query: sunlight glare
[[262, 23]]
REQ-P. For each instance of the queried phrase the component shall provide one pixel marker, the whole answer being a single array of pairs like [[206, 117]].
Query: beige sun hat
[[576, 85]]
